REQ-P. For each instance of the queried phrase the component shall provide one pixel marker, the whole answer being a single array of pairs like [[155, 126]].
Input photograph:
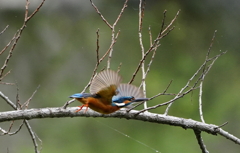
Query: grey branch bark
[[149, 117]]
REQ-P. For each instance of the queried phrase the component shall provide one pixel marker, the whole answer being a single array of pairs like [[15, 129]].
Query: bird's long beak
[[140, 99]]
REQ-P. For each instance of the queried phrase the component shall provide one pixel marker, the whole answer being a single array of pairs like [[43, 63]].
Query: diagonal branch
[[4, 29], [99, 13]]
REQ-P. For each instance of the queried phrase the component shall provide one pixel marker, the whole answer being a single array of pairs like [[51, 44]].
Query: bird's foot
[[80, 108]]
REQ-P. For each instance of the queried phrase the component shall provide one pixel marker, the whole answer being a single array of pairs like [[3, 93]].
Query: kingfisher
[[108, 95]]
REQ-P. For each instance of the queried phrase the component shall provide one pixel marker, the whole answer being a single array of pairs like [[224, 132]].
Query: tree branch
[[148, 117]]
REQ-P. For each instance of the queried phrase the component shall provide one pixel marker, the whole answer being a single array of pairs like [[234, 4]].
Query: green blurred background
[[57, 51]]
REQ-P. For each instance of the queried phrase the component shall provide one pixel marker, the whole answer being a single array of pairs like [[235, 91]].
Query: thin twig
[[97, 50], [110, 50], [13, 38], [27, 18], [4, 132], [141, 15], [5, 75], [18, 104], [200, 141], [149, 65], [96, 67], [170, 24], [200, 101], [150, 35], [34, 137], [161, 35], [68, 103], [164, 92], [159, 94], [141, 8], [30, 98], [14, 42], [120, 14], [220, 126], [163, 20], [113, 33], [197, 81], [4, 29], [180, 94], [95, 7], [168, 102], [18, 34], [7, 100], [203, 77]]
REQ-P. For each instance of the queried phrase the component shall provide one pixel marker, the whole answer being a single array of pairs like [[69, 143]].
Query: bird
[[108, 94]]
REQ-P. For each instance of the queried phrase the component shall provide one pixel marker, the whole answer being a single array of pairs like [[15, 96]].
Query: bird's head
[[125, 100]]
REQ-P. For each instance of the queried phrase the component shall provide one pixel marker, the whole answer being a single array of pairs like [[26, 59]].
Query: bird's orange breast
[[97, 105]]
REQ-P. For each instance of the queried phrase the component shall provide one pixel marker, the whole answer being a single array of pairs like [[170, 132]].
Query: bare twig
[[150, 35], [141, 8], [5, 75], [161, 35], [163, 20], [97, 50], [170, 24], [34, 137], [203, 77], [27, 18], [140, 16], [97, 64], [6, 99], [163, 93], [120, 14], [13, 38], [25, 122], [148, 66], [68, 103], [113, 33], [18, 104], [18, 34], [28, 101], [4, 29], [200, 141], [4, 132], [220, 126], [95, 7], [112, 27], [110, 50], [194, 86], [14, 42]]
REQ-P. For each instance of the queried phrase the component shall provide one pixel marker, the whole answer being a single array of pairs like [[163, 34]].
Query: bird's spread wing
[[105, 85], [129, 90]]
